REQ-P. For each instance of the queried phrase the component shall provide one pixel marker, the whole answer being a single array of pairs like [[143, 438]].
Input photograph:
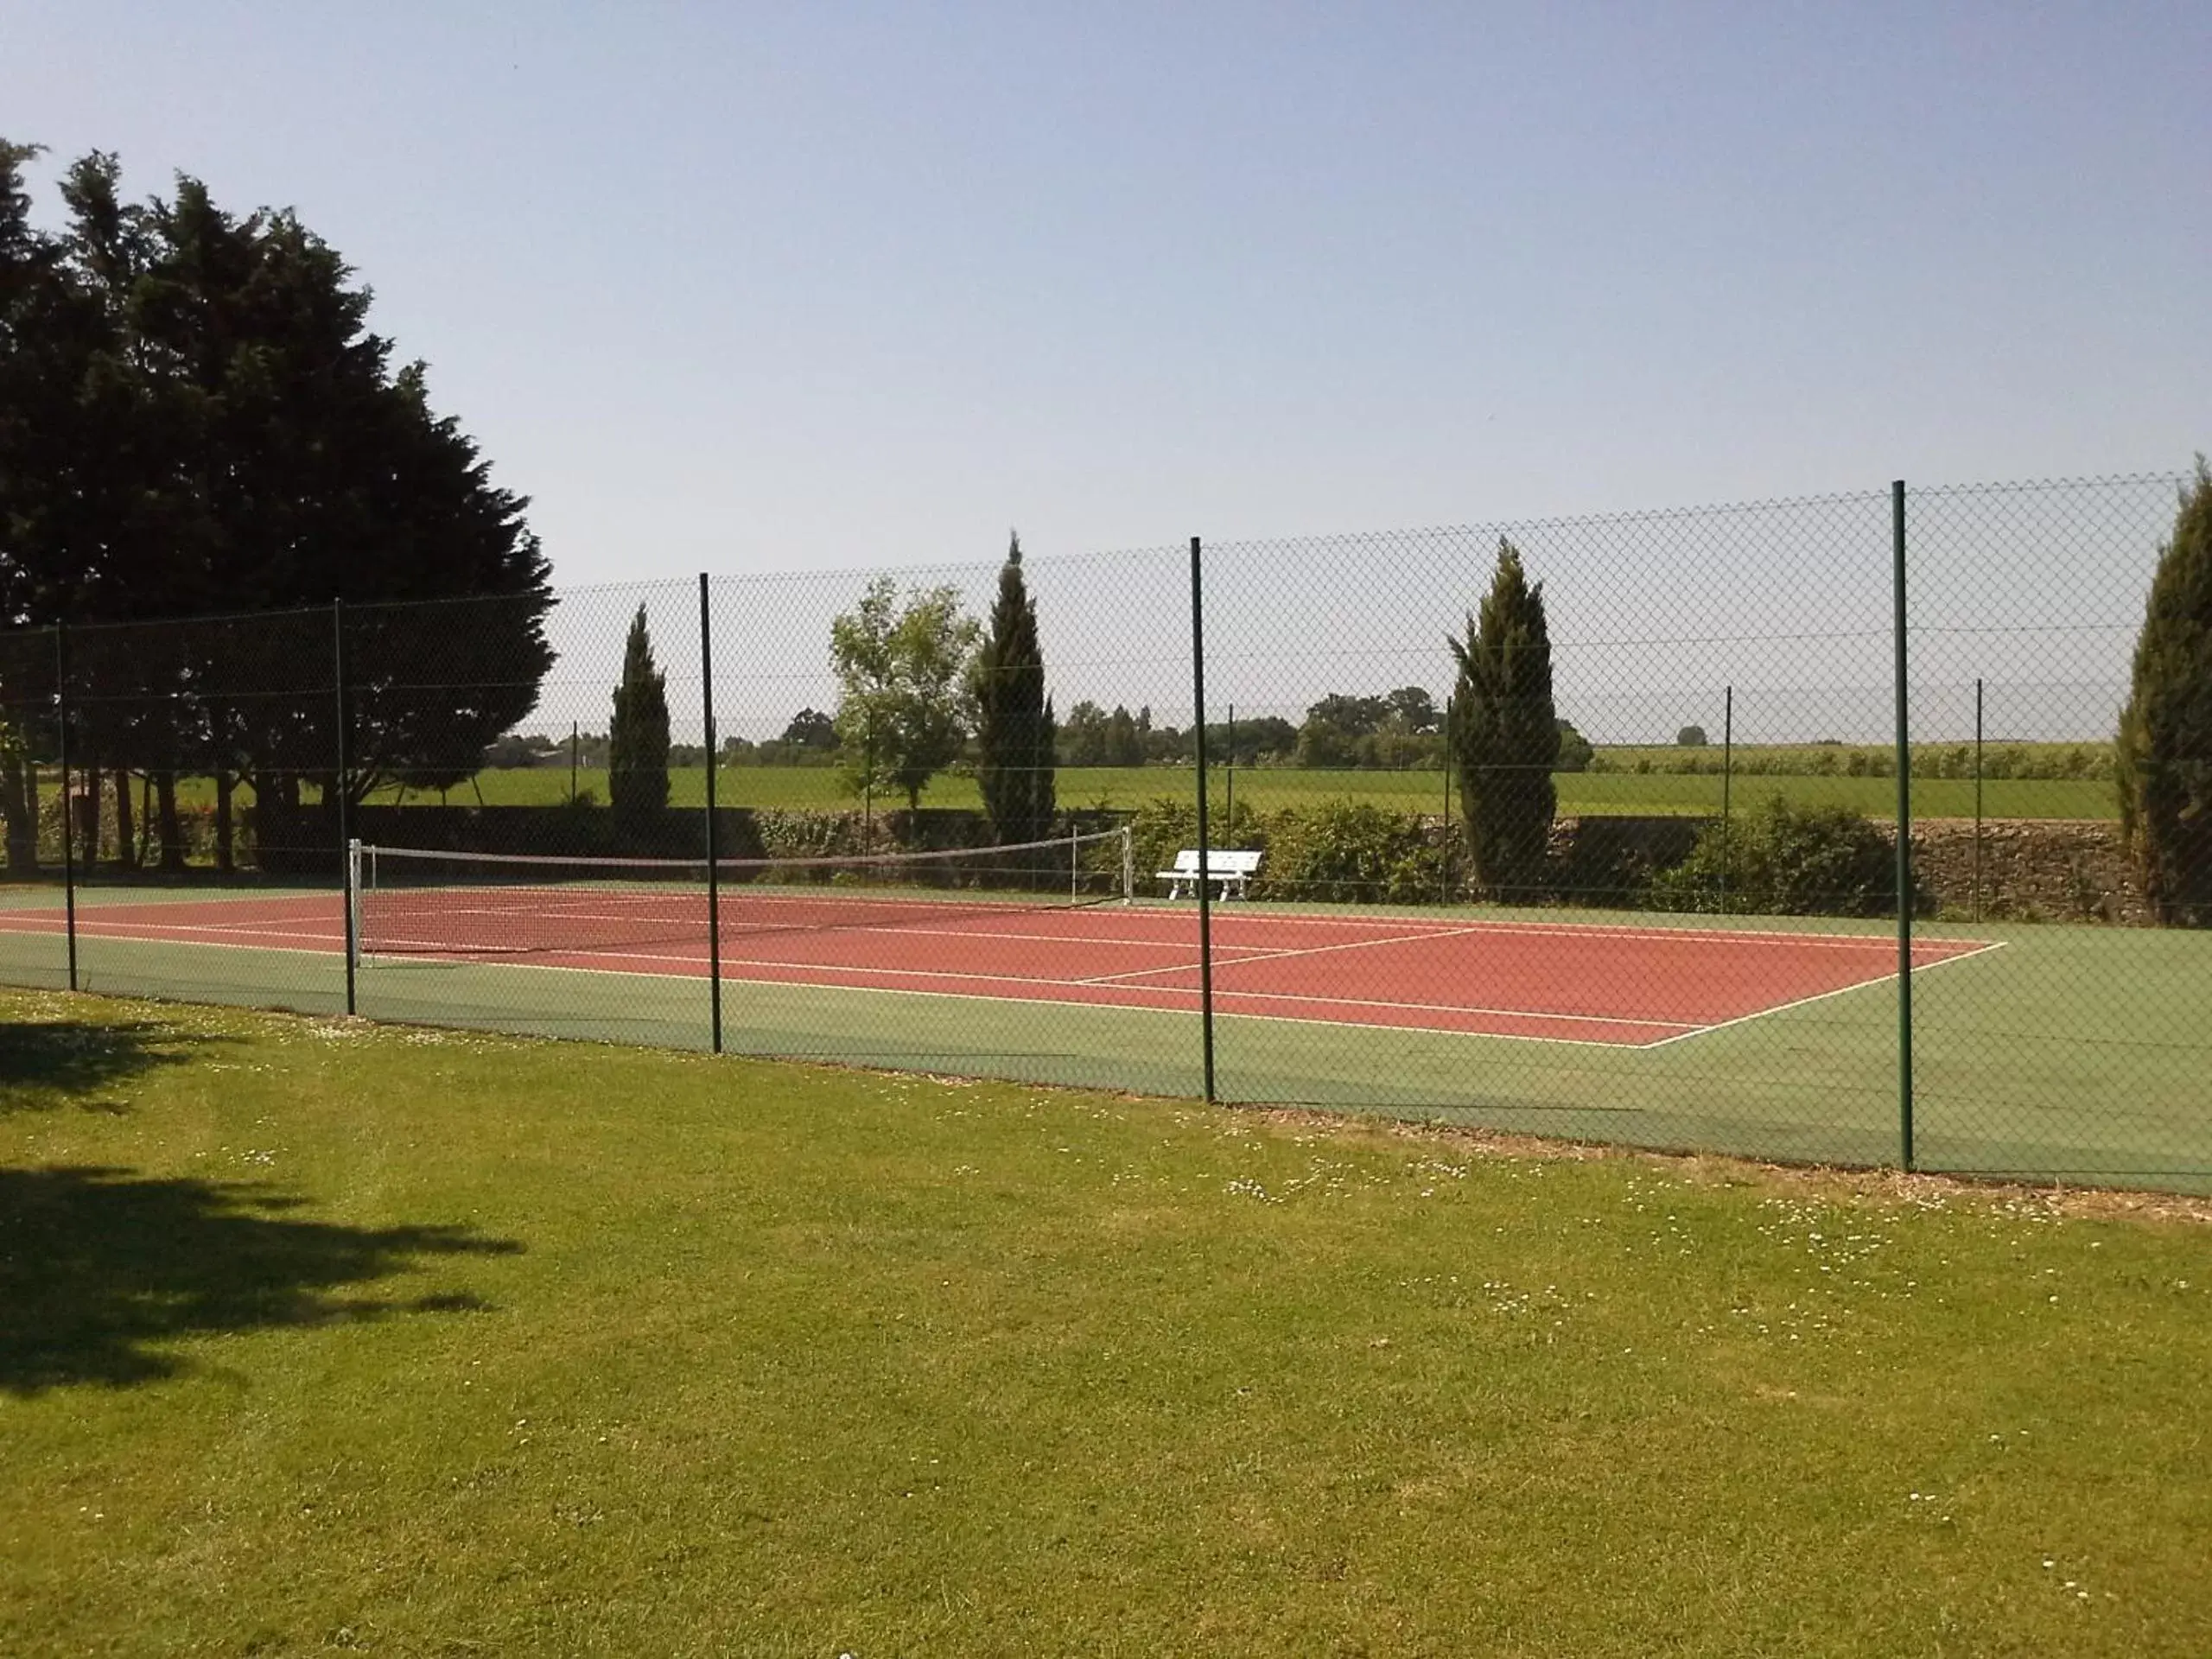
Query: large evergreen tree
[[2165, 731], [1014, 717], [36, 398], [636, 739], [1505, 735], [195, 420]]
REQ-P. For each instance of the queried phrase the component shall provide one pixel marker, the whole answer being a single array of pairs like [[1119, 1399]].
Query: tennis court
[[2039, 1049], [1637, 987]]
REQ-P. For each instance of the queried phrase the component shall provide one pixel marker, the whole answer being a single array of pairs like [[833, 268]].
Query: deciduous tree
[[899, 669]]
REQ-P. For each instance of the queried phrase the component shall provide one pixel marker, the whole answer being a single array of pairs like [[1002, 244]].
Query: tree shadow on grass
[[48, 1063], [98, 1266]]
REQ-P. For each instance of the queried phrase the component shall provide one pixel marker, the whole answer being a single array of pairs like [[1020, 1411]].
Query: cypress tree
[[1014, 717], [1506, 734], [637, 737], [2165, 731]]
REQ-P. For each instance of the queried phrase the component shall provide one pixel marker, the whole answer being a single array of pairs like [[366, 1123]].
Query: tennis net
[[414, 902]]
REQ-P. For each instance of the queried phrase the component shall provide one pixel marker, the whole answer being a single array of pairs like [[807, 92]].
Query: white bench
[[1230, 871]]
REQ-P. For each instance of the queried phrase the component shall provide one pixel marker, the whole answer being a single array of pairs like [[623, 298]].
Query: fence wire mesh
[[1581, 827]]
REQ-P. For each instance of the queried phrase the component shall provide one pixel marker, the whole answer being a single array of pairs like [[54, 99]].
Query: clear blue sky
[[803, 287]]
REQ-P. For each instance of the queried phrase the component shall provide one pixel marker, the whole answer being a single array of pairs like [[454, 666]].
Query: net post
[[1198, 727], [338, 784], [1905, 827], [1444, 882], [1075, 863], [1128, 866], [68, 806], [713, 839]]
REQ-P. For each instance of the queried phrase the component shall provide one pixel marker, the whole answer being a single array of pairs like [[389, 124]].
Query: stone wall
[[2032, 870], [1605, 860]]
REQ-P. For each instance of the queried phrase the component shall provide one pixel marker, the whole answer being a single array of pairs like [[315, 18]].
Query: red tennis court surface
[[1635, 987]]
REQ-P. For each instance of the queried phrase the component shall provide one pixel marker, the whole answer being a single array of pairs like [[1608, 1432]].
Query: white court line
[[1420, 929], [150, 931], [321, 951], [1445, 1007], [1590, 930], [1085, 942], [137, 932], [863, 970], [1980, 950], [1439, 929], [1257, 954], [1062, 1004], [1244, 953]]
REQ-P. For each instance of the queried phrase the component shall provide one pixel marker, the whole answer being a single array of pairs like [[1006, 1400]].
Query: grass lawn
[[818, 789], [319, 1335]]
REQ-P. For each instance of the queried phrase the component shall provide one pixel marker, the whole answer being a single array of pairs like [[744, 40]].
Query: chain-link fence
[[1582, 826]]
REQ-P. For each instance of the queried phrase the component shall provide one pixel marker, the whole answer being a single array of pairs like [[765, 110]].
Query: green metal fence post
[[1977, 799], [338, 783], [68, 806], [1198, 725], [1727, 782], [714, 836], [1904, 828]]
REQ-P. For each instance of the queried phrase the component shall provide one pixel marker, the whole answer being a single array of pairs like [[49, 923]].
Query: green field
[[2072, 1053], [820, 789], [323, 1337], [1999, 760]]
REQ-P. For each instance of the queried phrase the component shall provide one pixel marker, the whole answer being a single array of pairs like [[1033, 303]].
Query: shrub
[[1690, 737], [1346, 852], [808, 835], [1780, 860]]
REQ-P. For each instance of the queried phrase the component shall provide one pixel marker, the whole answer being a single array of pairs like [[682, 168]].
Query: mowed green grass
[[321, 1335], [820, 789]]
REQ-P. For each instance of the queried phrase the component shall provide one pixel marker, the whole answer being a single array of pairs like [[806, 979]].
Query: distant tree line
[[1091, 735]]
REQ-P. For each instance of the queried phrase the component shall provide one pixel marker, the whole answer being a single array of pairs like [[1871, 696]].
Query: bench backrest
[[1219, 861]]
